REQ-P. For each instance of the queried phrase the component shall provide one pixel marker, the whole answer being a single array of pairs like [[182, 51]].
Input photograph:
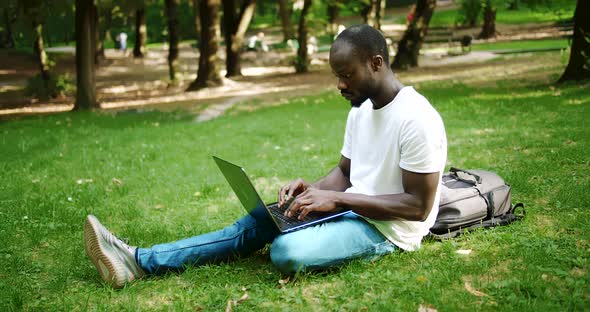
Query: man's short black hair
[[366, 40]]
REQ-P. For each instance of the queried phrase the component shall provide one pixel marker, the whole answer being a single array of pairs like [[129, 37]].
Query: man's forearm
[[402, 206], [335, 180]]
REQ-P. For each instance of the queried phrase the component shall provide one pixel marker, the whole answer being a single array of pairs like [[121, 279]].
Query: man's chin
[[356, 102]]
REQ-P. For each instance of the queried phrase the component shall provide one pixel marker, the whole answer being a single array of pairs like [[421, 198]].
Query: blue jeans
[[316, 247]]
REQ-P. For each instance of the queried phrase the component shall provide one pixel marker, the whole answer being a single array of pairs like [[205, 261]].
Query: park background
[[127, 135]]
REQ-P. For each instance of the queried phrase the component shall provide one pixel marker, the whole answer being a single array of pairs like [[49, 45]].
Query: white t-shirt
[[408, 134]]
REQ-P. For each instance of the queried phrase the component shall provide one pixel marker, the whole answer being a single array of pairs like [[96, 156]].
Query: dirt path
[[129, 83], [124, 82]]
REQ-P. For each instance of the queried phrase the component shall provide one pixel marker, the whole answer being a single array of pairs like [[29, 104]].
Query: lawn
[[562, 11], [522, 45], [148, 176]]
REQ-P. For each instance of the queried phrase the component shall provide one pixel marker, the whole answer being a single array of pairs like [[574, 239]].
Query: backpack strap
[[520, 215], [465, 176], [508, 218]]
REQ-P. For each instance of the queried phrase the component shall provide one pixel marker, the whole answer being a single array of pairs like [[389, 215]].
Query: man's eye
[[342, 76]]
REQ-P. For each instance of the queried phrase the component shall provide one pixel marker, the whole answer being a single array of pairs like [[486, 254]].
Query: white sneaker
[[114, 260]]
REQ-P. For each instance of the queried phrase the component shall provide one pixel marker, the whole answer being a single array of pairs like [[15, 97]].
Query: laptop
[[248, 196]]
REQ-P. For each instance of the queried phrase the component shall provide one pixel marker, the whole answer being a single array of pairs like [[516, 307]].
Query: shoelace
[[124, 241]]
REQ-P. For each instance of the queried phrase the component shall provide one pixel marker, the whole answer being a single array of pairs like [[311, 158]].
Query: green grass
[[530, 132], [522, 45], [448, 18]]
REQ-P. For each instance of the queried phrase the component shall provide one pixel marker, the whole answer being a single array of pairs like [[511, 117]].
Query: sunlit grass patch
[[522, 45], [562, 11]]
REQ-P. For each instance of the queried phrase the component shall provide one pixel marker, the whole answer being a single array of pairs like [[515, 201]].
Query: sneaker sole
[[110, 270]]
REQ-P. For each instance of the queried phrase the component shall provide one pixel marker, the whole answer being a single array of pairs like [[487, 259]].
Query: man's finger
[[296, 205], [305, 210], [292, 188], [280, 196], [289, 211], [293, 208]]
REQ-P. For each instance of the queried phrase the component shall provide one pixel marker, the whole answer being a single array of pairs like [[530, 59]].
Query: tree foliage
[[469, 12]]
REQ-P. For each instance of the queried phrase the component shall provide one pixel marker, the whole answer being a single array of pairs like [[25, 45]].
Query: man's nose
[[341, 85]]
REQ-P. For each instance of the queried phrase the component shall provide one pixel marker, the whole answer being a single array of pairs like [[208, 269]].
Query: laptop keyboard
[[278, 213]]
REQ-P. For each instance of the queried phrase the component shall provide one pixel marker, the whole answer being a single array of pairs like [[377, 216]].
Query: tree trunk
[[488, 29], [513, 5], [208, 74], [578, 67], [380, 11], [106, 25], [333, 10], [85, 83], [99, 55], [9, 19], [196, 20], [412, 39], [172, 14], [234, 31], [39, 50], [302, 63], [372, 14], [140, 33], [285, 11]]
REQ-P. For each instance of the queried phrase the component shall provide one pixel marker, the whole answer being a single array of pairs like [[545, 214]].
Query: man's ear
[[376, 62]]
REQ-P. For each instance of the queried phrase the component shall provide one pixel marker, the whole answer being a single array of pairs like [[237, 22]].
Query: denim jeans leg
[[242, 238], [329, 244]]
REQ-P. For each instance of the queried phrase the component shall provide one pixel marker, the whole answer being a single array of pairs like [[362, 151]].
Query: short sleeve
[[423, 145], [347, 145]]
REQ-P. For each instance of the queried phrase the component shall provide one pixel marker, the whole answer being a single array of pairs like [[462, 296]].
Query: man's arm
[[336, 180], [413, 205]]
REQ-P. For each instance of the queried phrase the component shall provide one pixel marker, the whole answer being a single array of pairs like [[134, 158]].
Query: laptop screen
[[240, 183]]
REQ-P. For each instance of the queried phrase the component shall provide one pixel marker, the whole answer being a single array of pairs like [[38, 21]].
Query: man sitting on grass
[[389, 173]]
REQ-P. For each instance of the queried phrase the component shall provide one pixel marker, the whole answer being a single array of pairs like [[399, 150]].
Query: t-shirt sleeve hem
[[431, 169]]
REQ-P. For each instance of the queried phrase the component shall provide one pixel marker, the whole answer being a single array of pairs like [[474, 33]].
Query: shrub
[[56, 86], [469, 11]]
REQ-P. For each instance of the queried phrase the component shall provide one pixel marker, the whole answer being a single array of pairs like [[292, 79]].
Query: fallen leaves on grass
[[464, 251], [243, 298], [84, 181], [427, 308], [474, 291], [578, 272], [233, 303], [117, 182], [283, 282]]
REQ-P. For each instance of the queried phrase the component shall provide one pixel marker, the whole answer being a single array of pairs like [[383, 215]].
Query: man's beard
[[364, 94], [357, 102]]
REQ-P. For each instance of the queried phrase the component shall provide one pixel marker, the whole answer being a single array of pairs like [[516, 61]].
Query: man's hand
[[292, 189], [312, 200]]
